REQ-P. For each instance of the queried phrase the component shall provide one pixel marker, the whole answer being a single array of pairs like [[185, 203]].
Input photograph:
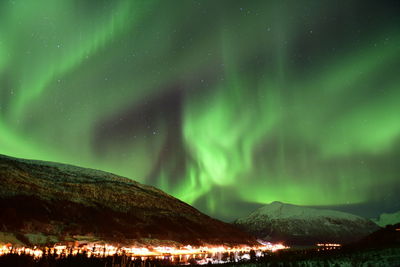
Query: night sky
[[226, 105]]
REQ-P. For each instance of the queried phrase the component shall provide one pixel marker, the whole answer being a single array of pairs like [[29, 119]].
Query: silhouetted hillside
[[43, 202]]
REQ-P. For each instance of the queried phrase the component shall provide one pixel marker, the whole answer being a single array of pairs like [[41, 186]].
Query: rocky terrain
[[301, 225], [44, 202]]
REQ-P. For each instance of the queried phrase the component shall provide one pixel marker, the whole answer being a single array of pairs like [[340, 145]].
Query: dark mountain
[[44, 202], [301, 225], [385, 237]]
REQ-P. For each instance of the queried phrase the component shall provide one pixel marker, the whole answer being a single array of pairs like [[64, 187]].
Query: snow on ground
[[278, 210], [387, 218]]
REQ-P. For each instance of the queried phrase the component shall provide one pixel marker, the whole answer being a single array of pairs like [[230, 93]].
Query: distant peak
[[276, 203]]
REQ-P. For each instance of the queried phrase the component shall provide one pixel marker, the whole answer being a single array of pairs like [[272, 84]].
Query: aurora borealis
[[219, 103]]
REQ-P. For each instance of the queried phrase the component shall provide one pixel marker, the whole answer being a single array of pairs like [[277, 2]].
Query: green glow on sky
[[250, 101]]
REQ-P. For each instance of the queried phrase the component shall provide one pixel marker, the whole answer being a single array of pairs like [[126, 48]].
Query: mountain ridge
[[387, 219], [303, 225], [58, 202]]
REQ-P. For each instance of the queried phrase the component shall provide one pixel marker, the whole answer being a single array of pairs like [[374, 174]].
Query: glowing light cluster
[[328, 245], [35, 251], [104, 250]]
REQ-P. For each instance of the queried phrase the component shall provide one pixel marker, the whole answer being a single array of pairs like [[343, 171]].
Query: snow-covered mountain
[[45, 202], [302, 225], [387, 218]]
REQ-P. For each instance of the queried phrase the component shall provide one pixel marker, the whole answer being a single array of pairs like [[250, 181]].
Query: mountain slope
[[44, 202], [384, 237], [301, 225], [388, 218]]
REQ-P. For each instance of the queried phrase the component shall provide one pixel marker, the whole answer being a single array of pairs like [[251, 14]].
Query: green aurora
[[216, 102]]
